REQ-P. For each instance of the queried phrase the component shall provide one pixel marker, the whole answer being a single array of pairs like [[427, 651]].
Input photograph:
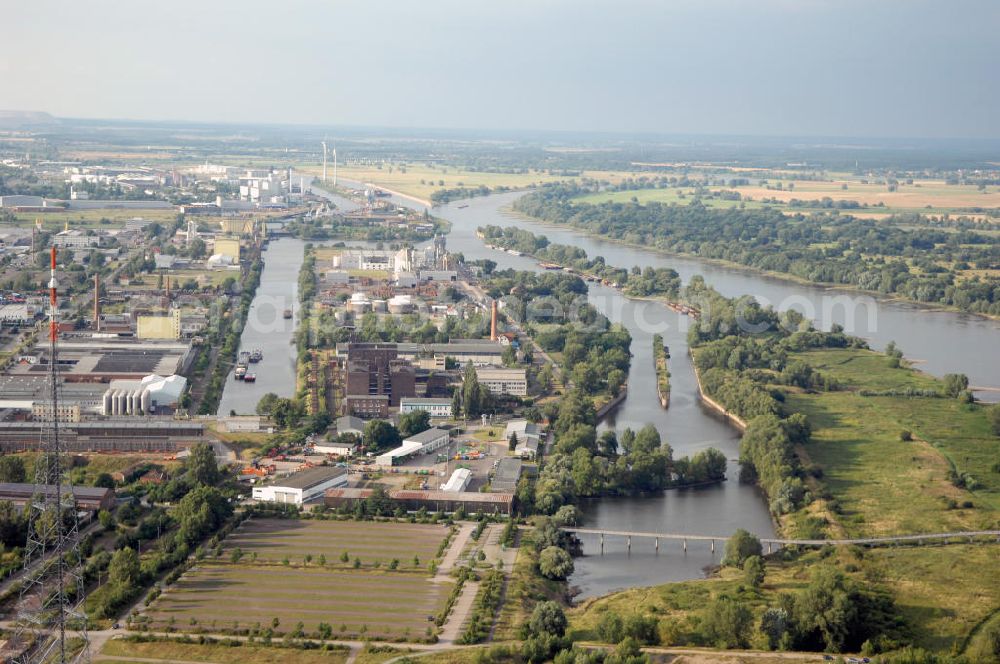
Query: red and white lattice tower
[[51, 625]]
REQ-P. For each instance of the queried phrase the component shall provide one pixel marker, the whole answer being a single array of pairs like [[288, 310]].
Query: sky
[[879, 68]]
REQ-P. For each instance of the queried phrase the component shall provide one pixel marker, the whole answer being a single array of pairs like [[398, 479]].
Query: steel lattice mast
[[51, 623]]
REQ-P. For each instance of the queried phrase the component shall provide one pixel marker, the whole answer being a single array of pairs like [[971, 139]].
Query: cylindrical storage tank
[[336, 260], [106, 403], [146, 401], [116, 403]]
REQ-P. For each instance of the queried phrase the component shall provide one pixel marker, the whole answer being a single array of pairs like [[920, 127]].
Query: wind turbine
[[324, 162]]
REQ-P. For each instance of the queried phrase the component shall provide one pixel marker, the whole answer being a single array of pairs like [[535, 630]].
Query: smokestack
[[97, 303], [493, 321]]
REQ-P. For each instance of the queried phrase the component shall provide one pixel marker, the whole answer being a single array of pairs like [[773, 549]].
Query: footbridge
[[770, 543]]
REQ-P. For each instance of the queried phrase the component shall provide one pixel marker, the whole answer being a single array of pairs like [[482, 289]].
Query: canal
[[267, 329]]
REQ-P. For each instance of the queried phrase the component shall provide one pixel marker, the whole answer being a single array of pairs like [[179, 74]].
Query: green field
[[263, 574], [219, 596], [420, 180], [170, 651], [273, 540], [925, 196], [942, 593], [882, 484]]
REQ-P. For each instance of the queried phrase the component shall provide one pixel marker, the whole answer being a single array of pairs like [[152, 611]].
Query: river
[[971, 344], [942, 341]]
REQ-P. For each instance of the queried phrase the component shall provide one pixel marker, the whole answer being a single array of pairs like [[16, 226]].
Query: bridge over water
[[920, 539]]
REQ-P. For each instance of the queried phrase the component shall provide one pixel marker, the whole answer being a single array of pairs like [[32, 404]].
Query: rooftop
[[428, 436], [306, 479]]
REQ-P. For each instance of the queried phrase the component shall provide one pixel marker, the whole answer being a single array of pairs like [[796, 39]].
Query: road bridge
[[769, 543]]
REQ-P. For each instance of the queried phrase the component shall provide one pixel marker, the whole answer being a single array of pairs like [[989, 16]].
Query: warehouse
[[507, 475], [424, 442], [303, 486], [88, 498], [470, 502]]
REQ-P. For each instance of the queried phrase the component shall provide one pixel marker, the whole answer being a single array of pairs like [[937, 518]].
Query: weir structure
[[50, 623]]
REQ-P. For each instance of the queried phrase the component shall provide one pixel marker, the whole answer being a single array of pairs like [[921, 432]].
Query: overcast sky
[[914, 68]]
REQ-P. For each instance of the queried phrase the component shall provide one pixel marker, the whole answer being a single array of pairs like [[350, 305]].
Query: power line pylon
[[51, 625]]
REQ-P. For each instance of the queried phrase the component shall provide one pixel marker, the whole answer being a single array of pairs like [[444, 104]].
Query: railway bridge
[[770, 543]]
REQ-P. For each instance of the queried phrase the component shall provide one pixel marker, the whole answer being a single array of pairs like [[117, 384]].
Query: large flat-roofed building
[[470, 502], [434, 407], [148, 434], [303, 486], [424, 442], [430, 440], [16, 314], [75, 239], [159, 327], [503, 381], [481, 352], [507, 475], [88, 498], [102, 359], [229, 247]]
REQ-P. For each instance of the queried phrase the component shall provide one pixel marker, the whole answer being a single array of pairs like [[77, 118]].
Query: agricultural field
[[927, 196], [882, 483], [273, 540], [117, 650], [340, 573], [108, 218], [379, 604], [421, 180]]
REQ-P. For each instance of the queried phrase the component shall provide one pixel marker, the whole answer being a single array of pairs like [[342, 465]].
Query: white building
[[434, 407], [142, 397], [76, 239], [303, 486], [16, 314], [458, 481], [430, 440], [504, 381], [424, 442]]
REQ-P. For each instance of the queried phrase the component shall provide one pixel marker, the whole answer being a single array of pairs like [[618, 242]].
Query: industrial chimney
[[493, 321], [97, 302]]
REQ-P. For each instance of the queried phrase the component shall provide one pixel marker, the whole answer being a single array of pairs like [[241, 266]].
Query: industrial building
[[152, 394], [471, 502], [499, 381], [228, 247], [88, 498], [529, 437], [123, 435], [303, 486], [434, 407], [159, 327], [480, 352], [507, 475], [424, 442], [104, 357]]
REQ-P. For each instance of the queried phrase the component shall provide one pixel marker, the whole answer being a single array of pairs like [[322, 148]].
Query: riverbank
[[781, 276]]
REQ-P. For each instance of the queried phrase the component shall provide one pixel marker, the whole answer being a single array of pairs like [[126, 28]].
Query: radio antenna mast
[[51, 625]]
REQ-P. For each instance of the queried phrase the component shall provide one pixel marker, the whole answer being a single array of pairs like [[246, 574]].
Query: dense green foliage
[[637, 281], [880, 255]]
